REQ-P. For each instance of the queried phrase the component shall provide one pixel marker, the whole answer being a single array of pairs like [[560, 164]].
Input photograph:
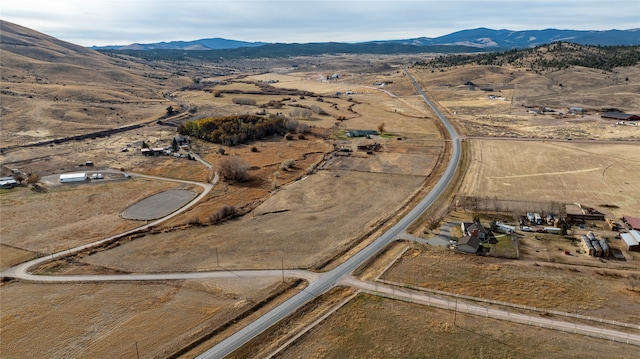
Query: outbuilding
[[633, 222], [631, 240], [8, 182], [620, 116], [73, 177]]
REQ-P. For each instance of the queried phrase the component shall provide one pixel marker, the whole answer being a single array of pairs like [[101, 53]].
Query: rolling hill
[[52, 88]]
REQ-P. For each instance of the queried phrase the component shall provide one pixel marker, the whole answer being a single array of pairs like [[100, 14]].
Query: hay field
[[106, 320], [373, 327], [591, 174]]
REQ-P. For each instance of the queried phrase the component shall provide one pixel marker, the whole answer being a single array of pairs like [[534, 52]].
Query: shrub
[[288, 137], [317, 109], [33, 178], [254, 149], [298, 112], [291, 125], [234, 169], [311, 169], [243, 101], [287, 164], [303, 128], [221, 151], [222, 214], [217, 93]]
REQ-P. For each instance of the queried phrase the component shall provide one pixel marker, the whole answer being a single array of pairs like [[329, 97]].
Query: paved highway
[[329, 279]]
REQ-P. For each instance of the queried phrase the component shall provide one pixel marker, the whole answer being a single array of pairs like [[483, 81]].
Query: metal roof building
[[621, 116], [631, 240]]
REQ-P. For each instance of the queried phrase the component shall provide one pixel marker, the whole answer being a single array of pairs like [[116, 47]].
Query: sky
[[123, 22]]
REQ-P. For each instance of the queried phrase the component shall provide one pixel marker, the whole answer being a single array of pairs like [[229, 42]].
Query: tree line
[[234, 130], [555, 56]]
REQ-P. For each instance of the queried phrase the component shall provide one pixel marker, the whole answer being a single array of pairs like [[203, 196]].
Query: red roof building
[[634, 222]]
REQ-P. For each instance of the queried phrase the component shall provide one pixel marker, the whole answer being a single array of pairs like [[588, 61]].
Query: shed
[[620, 116], [631, 240]]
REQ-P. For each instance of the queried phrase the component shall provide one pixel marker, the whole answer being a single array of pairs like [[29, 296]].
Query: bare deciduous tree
[[234, 169]]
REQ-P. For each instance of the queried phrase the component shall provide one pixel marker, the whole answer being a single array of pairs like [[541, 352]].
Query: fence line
[[514, 318], [513, 305]]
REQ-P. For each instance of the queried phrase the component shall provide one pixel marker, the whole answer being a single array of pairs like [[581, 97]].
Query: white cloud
[[101, 22]]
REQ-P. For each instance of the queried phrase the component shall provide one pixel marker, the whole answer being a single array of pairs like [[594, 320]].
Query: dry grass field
[[296, 225], [592, 289], [68, 215], [108, 320], [565, 172], [372, 327], [477, 115]]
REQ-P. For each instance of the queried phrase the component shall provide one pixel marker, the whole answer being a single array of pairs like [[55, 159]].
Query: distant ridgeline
[[234, 130], [555, 56], [289, 50]]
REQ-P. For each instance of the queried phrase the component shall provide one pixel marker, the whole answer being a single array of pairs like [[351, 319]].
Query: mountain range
[[480, 38]]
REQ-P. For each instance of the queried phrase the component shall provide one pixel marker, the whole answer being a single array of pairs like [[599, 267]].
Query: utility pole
[[282, 261], [455, 312], [217, 258]]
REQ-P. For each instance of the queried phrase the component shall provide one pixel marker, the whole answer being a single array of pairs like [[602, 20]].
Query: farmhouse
[[474, 229], [468, 244], [620, 116], [631, 240], [474, 234], [73, 177]]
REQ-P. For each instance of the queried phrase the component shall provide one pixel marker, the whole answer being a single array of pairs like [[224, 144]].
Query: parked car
[[97, 176], [526, 229], [541, 230]]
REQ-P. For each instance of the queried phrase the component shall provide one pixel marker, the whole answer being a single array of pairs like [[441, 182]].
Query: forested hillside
[[556, 56]]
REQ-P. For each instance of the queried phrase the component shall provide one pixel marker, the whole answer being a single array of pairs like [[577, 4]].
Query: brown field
[[108, 320], [70, 215], [585, 288], [476, 115], [291, 225], [372, 327], [565, 172]]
